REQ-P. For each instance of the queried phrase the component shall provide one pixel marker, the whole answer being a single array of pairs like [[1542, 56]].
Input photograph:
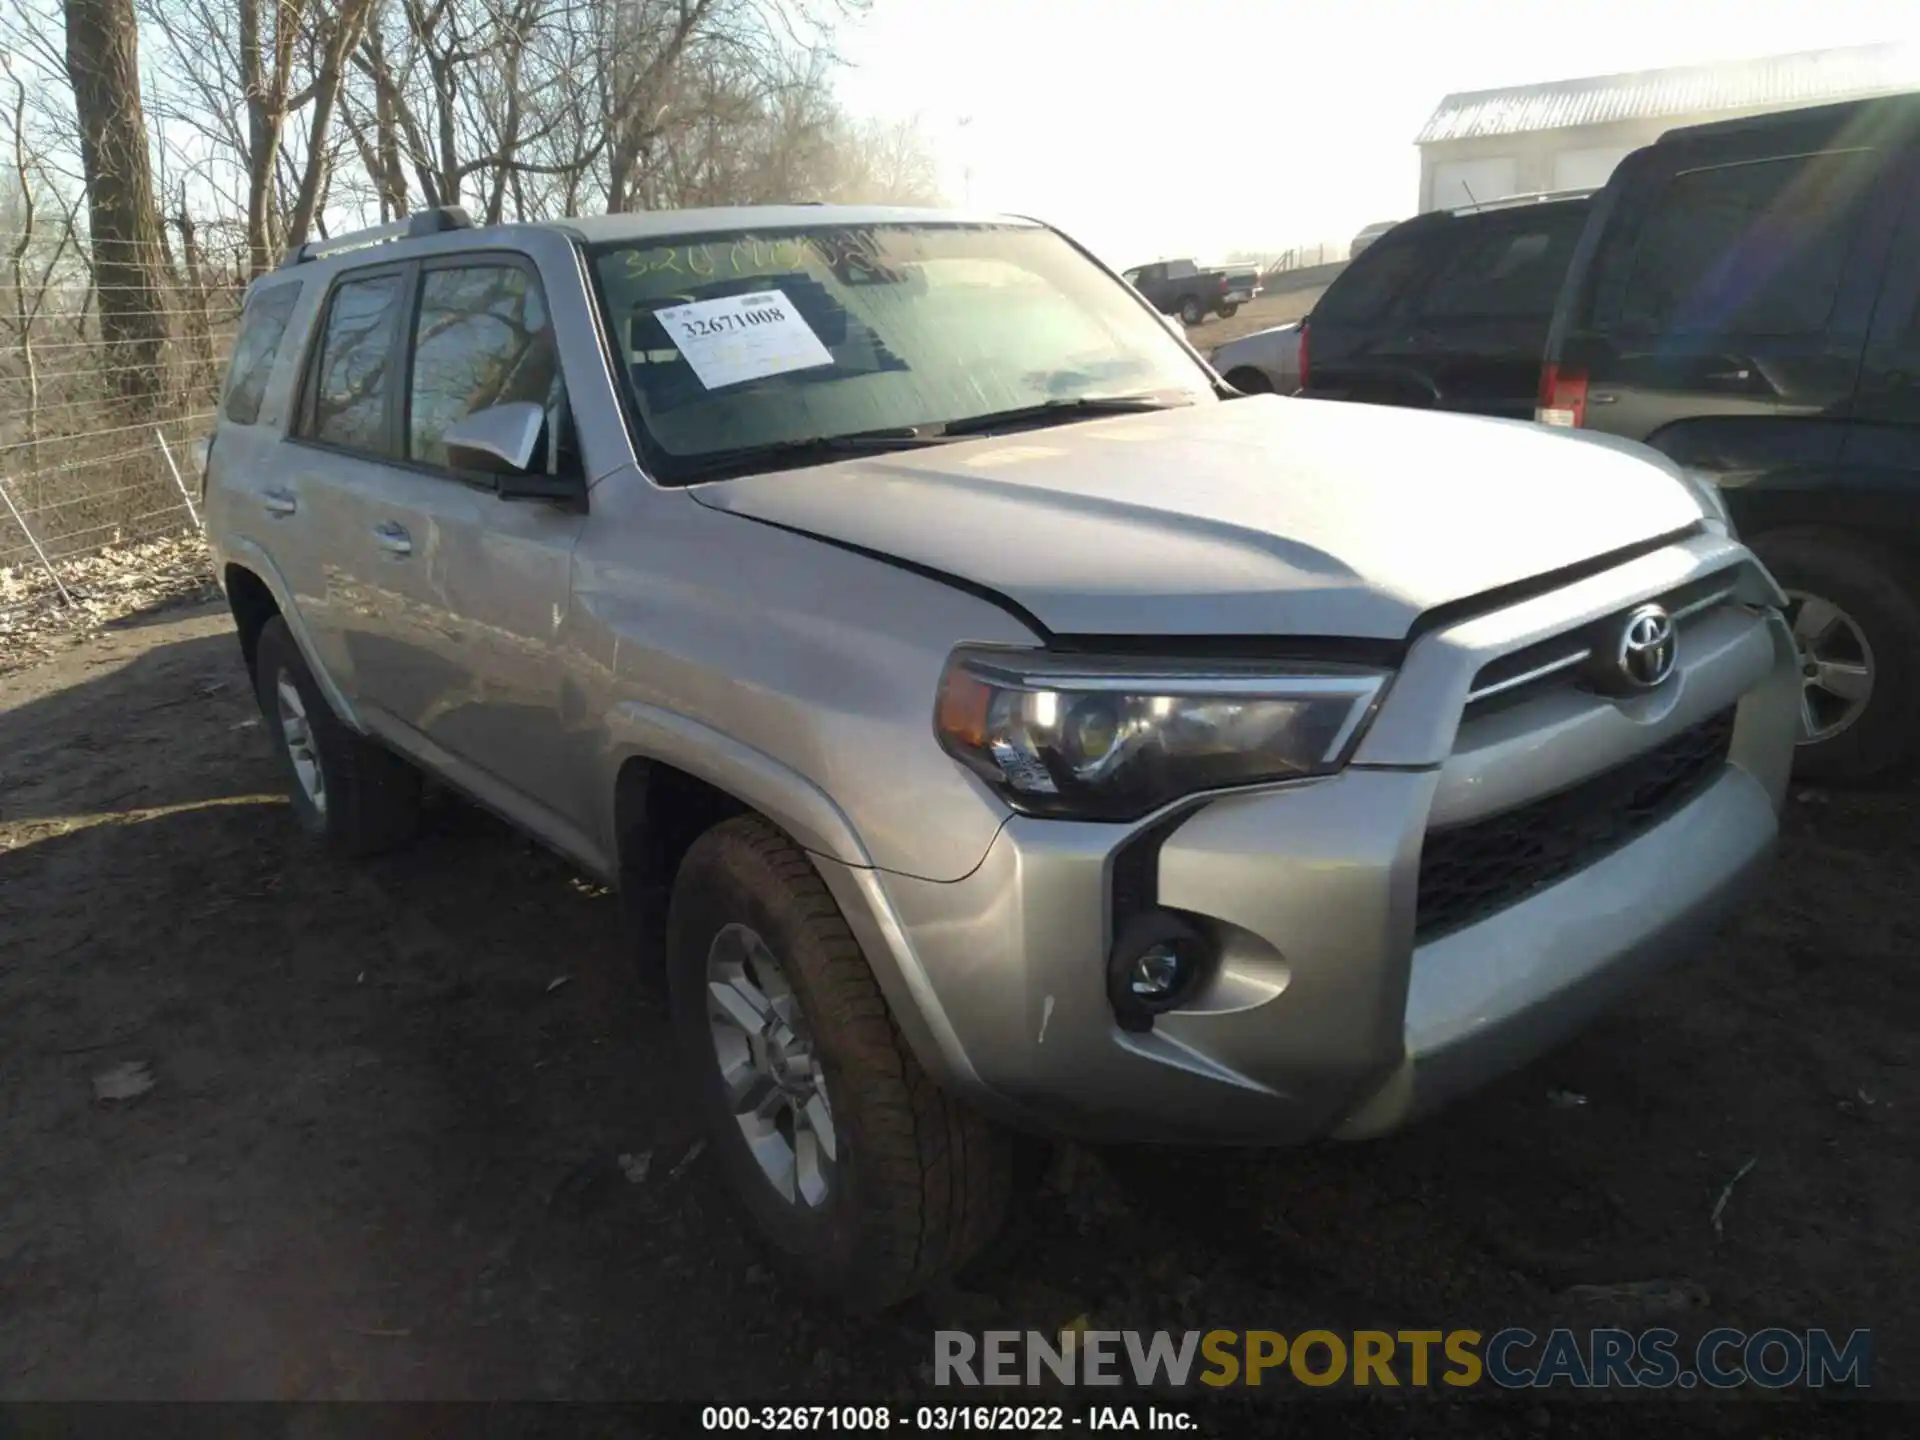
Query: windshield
[[761, 340]]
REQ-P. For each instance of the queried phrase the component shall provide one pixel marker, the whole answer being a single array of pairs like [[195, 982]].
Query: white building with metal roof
[[1483, 145]]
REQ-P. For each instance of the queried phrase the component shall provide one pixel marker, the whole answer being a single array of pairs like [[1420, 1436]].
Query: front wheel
[[863, 1179], [1858, 630], [1191, 312], [347, 792]]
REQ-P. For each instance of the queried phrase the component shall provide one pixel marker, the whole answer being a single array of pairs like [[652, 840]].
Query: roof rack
[[436, 221]]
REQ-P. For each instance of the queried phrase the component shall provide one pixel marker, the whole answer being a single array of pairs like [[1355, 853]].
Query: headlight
[[1114, 739]]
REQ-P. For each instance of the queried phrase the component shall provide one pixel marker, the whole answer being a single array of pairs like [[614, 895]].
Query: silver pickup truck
[[993, 723]]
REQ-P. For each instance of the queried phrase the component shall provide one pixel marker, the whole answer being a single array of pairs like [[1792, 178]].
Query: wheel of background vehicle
[[863, 1179], [347, 792], [1227, 310], [1191, 312], [1249, 381], [1859, 635]]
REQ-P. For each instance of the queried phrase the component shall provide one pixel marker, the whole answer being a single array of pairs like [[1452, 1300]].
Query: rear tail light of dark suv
[[1563, 398]]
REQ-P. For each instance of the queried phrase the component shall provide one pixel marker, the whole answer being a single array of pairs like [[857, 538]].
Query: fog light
[[1157, 972], [1158, 962]]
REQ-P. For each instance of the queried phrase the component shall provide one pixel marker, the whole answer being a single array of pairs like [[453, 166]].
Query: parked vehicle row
[[1743, 297], [1208, 769]]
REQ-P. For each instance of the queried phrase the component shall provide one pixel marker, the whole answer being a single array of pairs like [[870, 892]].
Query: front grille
[[1468, 872], [1516, 675]]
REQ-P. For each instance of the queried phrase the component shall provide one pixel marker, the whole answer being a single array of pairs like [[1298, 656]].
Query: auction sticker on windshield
[[743, 337]]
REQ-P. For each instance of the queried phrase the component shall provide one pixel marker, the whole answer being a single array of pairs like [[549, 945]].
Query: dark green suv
[[1746, 299]]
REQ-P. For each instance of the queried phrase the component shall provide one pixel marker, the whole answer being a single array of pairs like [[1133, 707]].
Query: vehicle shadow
[[113, 739]]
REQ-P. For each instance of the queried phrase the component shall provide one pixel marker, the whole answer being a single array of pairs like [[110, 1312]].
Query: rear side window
[[355, 369], [1505, 271], [1368, 287], [1756, 248], [262, 327], [483, 338]]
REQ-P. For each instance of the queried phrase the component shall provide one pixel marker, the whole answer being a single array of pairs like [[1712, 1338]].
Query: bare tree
[[886, 161], [103, 66], [342, 33], [237, 75]]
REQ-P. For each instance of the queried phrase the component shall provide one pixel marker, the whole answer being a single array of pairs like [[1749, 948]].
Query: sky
[[1151, 128]]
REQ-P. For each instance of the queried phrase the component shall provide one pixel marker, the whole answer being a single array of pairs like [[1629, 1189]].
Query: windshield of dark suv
[[763, 347]]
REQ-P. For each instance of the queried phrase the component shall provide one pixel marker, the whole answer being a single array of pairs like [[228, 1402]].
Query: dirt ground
[[382, 1152]]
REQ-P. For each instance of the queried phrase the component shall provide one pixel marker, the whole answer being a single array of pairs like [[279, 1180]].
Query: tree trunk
[[265, 116], [103, 65], [199, 327], [23, 318], [388, 173], [326, 90]]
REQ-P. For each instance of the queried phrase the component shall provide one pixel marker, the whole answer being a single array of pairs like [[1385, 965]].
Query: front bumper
[[1325, 1015]]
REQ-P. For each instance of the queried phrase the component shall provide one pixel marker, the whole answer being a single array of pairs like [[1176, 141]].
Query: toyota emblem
[[1646, 651]]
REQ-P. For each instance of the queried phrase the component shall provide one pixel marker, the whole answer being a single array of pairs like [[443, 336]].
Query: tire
[[1228, 311], [367, 799], [1879, 624], [1190, 312], [1249, 381], [916, 1184]]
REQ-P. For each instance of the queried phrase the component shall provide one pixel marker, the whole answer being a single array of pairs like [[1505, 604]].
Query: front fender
[[809, 815], [798, 806]]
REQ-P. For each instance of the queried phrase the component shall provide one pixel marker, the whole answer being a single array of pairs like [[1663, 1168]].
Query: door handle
[[393, 538], [279, 503]]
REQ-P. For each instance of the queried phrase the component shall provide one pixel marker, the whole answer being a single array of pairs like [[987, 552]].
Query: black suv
[[1447, 311], [1744, 300]]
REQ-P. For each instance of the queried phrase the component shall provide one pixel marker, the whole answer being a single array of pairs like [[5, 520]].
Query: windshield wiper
[[1083, 408], [784, 454]]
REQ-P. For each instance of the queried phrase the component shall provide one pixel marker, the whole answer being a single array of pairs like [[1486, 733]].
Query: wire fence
[[140, 486], [99, 434]]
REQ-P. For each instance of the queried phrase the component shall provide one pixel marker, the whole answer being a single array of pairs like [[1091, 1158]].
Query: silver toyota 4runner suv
[[1013, 729]]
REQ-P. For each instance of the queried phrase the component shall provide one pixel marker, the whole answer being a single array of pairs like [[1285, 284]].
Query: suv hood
[[1260, 516]]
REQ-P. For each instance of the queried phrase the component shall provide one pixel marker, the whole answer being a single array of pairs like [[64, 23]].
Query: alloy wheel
[[1836, 666], [296, 732], [775, 1084]]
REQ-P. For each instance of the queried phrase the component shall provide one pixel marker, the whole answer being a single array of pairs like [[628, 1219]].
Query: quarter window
[[1369, 286], [483, 338], [1748, 249], [261, 330], [356, 364], [1505, 273]]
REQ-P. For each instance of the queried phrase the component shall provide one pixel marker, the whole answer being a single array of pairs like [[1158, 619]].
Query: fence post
[[21, 521], [161, 436]]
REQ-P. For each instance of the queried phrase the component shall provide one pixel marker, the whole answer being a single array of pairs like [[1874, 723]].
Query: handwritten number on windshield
[[854, 254]]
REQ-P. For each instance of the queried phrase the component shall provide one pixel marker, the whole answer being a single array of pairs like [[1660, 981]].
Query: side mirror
[[503, 445], [500, 440]]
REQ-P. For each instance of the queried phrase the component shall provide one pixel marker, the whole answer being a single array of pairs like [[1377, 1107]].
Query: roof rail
[[436, 221], [1512, 202]]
